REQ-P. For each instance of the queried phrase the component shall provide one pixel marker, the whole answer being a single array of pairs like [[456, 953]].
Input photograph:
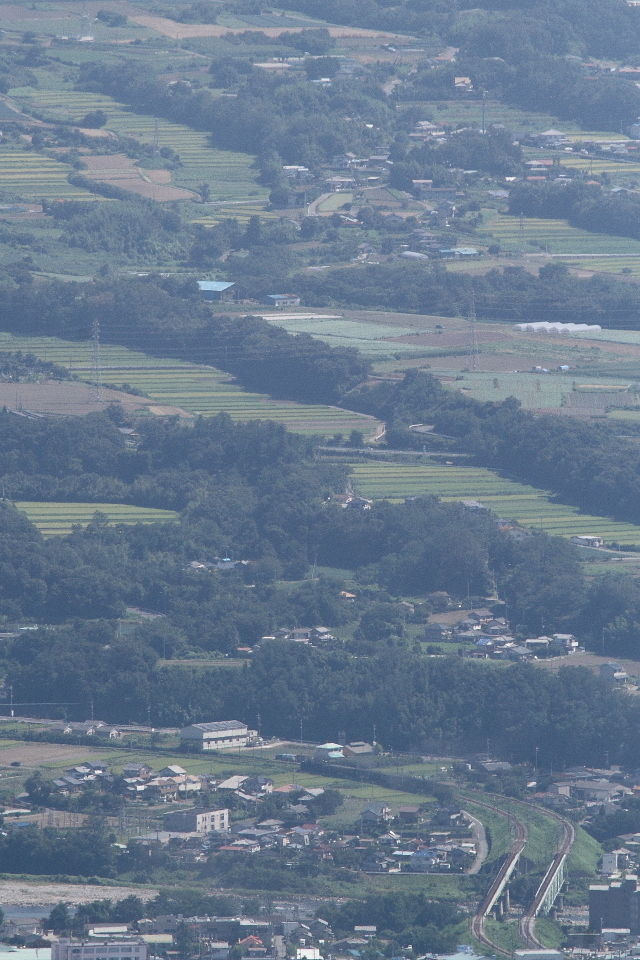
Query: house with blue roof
[[216, 290]]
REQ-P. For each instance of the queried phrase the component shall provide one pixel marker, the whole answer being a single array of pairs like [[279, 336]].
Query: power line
[[96, 385], [473, 336]]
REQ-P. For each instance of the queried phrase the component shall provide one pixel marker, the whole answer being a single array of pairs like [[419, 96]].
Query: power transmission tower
[[521, 234], [473, 336], [96, 380], [156, 137], [86, 21]]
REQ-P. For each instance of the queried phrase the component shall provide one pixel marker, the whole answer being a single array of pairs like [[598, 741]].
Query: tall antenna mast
[[473, 336], [96, 380]]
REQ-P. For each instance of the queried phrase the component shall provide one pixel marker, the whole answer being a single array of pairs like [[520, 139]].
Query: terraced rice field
[[554, 236], [230, 175], [505, 498], [58, 518], [194, 388], [32, 176]]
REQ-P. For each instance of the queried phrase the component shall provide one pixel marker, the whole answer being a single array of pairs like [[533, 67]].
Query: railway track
[[527, 923], [477, 923]]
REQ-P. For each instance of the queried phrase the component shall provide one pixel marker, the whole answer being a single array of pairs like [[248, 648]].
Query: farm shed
[[216, 289]]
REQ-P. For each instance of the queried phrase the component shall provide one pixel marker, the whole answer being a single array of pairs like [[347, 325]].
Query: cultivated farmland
[[553, 236], [230, 175], [189, 386], [58, 518], [374, 339], [30, 175], [505, 498]]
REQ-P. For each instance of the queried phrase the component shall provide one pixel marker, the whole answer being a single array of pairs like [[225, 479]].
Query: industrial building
[[196, 821], [615, 904], [219, 735]]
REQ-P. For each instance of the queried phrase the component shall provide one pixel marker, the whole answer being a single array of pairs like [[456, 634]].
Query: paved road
[[480, 837]]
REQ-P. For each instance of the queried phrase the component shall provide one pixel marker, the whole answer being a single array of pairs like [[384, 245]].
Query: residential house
[[142, 770], [613, 673], [283, 300], [329, 751], [196, 821], [357, 748], [409, 814], [376, 812]]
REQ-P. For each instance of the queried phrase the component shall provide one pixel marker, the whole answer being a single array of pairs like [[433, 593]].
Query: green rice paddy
[[508, 499], [59, 518]]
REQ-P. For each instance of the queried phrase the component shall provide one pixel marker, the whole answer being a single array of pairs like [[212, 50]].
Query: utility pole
[[96, 384], [473, 336]]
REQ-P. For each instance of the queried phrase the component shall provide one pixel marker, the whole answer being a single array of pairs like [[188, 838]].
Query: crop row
[[58, 518], [506, 498], [229, 174], [196, 389], [556, 235]]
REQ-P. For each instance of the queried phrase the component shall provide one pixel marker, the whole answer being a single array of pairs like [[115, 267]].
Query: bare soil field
[[119, 170], [36, 754], [68, 398], [182, 31], [19, 893], [592, 661]]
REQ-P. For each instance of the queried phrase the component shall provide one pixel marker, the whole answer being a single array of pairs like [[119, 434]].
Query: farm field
[[617, 264], [199, 389], [335, 201], [505, 498], [373, 339], [34, 177], [58, 518], [552, 236], [230, 175]]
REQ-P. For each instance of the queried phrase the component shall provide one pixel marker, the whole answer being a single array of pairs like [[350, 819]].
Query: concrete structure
[[583, 540], [219, 735], [614, 905], [195, 821], [541, 954], [103, 948]]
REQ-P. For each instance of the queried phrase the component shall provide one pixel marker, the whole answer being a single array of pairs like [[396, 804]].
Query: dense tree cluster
[[168, 318], [583, 205]]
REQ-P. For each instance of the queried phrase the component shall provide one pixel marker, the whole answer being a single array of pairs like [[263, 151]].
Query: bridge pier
[[507, 901]]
